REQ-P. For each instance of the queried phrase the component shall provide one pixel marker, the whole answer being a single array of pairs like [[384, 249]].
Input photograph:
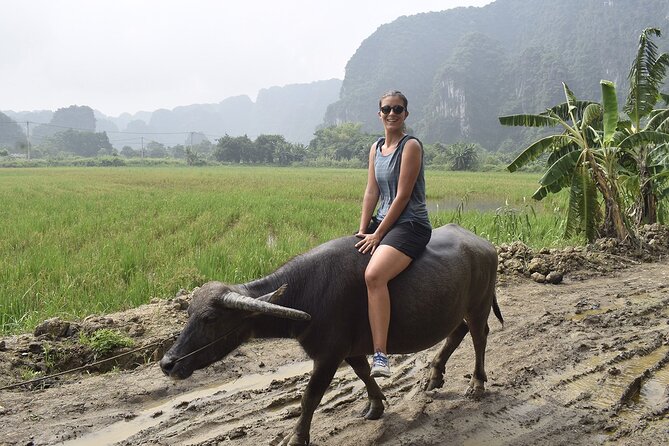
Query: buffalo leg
[[321, 377], [374, 408], [438, 365], [479, 334]]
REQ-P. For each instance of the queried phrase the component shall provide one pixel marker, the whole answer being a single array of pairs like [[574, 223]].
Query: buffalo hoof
[[373, 410], [475, 390], [434, 383], [295, 440]]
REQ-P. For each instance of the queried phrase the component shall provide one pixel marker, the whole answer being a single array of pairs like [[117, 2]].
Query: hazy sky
[[132, 55]]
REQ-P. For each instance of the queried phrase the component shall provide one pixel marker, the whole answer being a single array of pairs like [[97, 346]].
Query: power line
[[27, 123]]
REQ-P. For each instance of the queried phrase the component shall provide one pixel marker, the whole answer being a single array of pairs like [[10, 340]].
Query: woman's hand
[[368, 242]]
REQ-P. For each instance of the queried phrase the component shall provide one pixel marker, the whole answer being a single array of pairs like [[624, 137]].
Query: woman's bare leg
[[386, 263]]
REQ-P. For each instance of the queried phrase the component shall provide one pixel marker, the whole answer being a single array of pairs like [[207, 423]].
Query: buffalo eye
[[209, 317]]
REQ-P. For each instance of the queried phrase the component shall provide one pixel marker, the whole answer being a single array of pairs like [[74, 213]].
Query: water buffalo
[[320, 299]]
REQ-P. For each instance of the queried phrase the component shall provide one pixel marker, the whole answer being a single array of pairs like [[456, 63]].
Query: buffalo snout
[[169, 367]]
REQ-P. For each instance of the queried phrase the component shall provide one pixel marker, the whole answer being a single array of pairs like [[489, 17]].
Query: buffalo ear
[[274, 296]]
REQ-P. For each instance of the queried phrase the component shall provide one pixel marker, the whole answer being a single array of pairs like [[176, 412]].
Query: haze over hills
[[293, 111], [464, 67], [460, 68]]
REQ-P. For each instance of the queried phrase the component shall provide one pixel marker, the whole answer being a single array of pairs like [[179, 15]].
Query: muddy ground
[[581, 362]]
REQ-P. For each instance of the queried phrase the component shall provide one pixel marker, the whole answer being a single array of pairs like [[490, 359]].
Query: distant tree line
[[346, 145]]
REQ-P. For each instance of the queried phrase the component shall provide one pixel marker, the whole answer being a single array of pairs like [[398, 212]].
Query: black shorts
[[409, 237]]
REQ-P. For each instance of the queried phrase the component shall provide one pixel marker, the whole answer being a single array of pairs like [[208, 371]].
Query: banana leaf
[[536, 149], [610, 101], [526, 120], [564, 167], [644, 137]]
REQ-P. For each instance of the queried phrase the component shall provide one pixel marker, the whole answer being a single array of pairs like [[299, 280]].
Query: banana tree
[[578, 159], [644, 138]]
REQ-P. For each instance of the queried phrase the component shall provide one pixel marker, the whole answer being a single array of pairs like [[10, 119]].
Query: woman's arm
[[371, 196]]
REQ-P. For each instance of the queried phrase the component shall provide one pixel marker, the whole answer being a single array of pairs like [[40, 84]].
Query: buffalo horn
[[236, 301]]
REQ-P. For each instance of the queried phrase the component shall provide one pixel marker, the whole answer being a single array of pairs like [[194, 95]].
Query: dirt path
[[580, 363]]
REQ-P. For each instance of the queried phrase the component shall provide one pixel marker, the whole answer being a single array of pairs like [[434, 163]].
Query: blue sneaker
[[380, 367]]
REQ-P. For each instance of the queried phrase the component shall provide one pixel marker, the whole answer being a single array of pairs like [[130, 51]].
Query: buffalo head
[[220, 320]]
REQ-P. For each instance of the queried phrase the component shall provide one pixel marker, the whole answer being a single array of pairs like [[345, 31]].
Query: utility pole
[[142, 148], [28, 136]]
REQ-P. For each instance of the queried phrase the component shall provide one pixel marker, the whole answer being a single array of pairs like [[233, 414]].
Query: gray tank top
[[387, 172]]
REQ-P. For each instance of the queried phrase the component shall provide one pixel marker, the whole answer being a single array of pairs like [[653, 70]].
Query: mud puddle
[[154, 414]]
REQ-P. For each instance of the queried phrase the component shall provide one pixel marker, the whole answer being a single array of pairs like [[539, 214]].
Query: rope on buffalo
[[86, 366], [220, 338]]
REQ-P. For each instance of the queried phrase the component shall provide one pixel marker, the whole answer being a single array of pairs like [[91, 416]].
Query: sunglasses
[[397, 109]]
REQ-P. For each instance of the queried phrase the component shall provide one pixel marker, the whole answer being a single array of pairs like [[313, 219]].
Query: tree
[[179, 151], [578, 159], [192, 158], [268, 147], [342, 142], [644, 138], [128, 152], [233, 149], [463, 156], [156, 150], [79, 143]]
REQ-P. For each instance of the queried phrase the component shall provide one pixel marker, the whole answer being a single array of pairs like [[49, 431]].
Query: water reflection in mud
[[154, 414]]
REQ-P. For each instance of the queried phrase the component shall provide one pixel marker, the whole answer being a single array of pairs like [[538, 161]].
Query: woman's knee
[[375, 278]]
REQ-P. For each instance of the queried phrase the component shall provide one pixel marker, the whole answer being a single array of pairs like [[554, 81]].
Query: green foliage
[[579, 160], [342, 142], [463, 156], [644, 140], [599, 151], [155, 149], [77, 143], [129, 152], [234, 149], [511, 223], [193, 159], [105, 341]]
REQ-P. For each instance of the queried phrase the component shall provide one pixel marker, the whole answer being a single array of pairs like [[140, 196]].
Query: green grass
[[105, 341], [80, 241]]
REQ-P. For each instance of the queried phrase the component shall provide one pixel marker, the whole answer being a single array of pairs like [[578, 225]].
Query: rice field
[[80, 241]]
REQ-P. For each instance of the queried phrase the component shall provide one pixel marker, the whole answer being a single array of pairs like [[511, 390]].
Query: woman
[[401, 228]]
